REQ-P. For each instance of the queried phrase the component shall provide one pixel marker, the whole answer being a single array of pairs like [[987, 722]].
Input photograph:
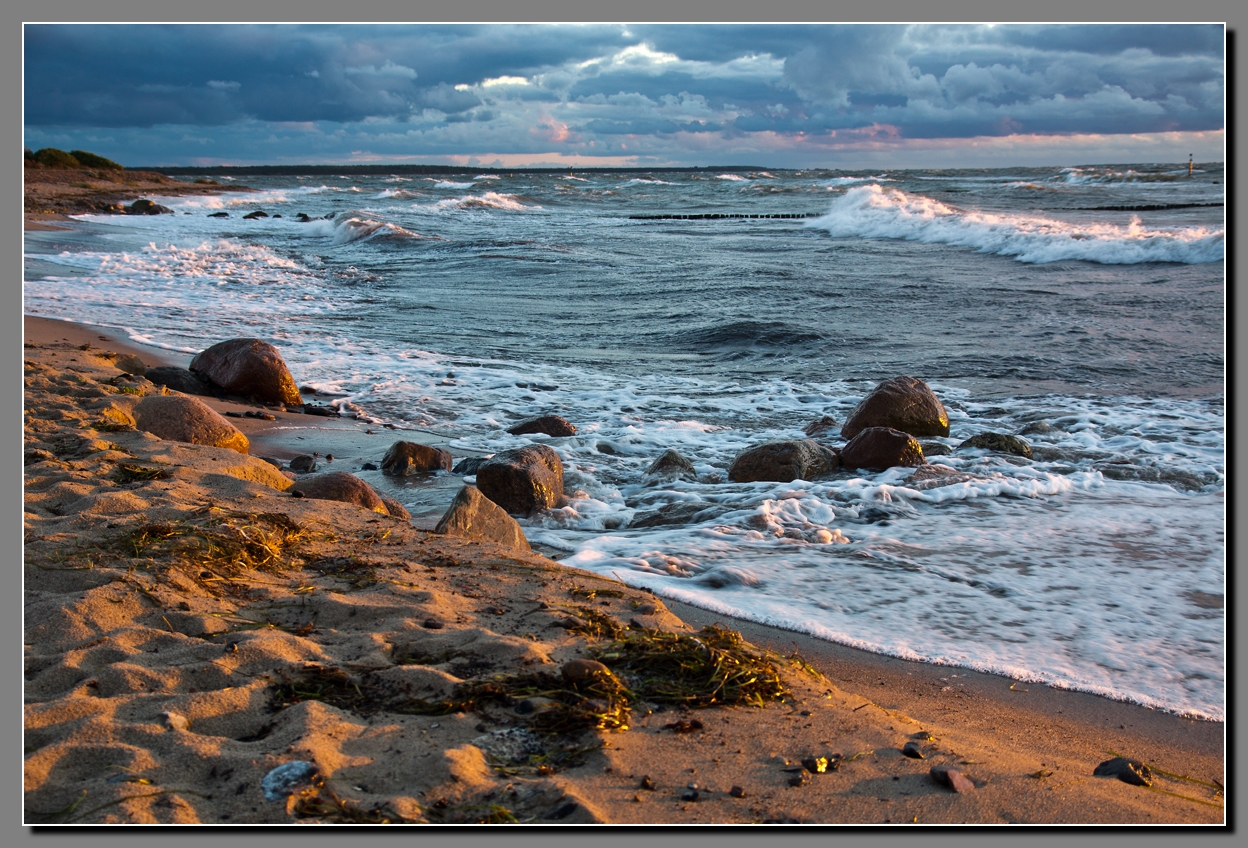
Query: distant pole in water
[[1189, 164]]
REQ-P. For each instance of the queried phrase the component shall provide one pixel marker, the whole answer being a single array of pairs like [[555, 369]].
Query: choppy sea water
[[1090, 300]]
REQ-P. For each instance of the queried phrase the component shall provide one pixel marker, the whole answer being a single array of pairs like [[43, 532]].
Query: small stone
[[433, 624], [690, 795], [296, 494], [173, 721], [580, 671], [329, 457], [951, 777], [281, 781], [736, 792], [646, 783], [1127, 770], [303, 464], [913, 751], [815, 765], [798, 779], [369, 466]]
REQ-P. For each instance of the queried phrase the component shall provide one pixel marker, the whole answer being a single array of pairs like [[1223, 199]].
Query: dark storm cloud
[[350, 91]]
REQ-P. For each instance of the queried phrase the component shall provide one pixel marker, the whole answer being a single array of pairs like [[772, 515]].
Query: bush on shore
[[51, 157], [91, 160]]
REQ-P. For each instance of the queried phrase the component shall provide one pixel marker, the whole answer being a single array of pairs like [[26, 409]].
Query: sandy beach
[[190, 627]]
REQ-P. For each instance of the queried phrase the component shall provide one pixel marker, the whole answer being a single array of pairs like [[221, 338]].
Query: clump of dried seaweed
[[218, 545], [325, 805]]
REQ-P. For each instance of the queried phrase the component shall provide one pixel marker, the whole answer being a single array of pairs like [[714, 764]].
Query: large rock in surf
[[472, 515], [147, 207], [882, 447], [902, 403], [341, 486], [179, 418], [178, 379], [523, 480], [999, 442], [249, 368], [551, 425], [670, 466], [820, 427], [783, 462], [396, 509], [406, 458]]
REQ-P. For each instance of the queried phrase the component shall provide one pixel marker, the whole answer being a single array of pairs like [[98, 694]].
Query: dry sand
[[165, 678]]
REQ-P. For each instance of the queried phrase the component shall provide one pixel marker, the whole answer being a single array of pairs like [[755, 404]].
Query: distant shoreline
[[386, 170]]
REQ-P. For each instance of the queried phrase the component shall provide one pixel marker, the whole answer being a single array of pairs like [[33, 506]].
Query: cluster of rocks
[[302, 217], [142, 206]]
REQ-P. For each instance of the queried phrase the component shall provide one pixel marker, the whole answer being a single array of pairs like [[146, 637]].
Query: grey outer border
[[1233, 12]]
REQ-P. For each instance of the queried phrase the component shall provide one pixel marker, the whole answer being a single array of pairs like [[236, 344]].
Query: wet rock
[[551, 425], [472, 515], [147, 207], [783, 462], [524, 480], [951, 777], [998, 442], [340, 486], [259, 213], [283, 780], [933, 476], [1126, 770], [178, 379], [180, 418], [670, 466], [820, 427], [881, 447], [582, 671], [369, 466], [468, 466], [219, 215], [407, 458], [681, 512], [1036, 428], [248, 368], [606, 448], [322, 411], [396, 509], [901, 403], [931, 449], [913, 750], [303, 464]]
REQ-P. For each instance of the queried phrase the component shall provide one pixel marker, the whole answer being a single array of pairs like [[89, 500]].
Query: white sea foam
[[488, 200], [843, 181], [873, 211], [640, 181], [449, 184], [732, 177]]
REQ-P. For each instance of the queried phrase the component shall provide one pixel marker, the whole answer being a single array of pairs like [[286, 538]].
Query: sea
[[710, 310]]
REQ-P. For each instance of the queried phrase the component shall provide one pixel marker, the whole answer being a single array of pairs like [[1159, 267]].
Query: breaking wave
[[876, 212]]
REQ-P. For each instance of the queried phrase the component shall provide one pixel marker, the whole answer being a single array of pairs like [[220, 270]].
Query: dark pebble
[[303, 464], [296, 494], [1126, 770], [232, 414], [646, 783], [815, 765], [329, 457], [369, 466], [689, 795], [913, 751], [264, 416], [481, 728], [798, 779], [736, 792], [433, 624]]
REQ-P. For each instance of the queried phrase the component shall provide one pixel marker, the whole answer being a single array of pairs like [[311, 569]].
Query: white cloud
[[220, 85]]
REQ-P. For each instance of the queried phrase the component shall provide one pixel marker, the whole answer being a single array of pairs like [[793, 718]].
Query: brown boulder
[[405, 458], [249, 368], [180, 418], [820, 427], [783, 462], [523, 480], [551, 425], [881, 447], [472, 515], [902, 403], [178, 379], [340, 486], [396, 509]]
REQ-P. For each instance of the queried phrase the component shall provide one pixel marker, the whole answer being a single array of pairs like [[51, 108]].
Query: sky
[[780, 96]]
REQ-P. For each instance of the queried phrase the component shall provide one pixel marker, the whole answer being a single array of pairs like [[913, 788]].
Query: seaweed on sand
[[224, 545], [325, 805], [716, 666]]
